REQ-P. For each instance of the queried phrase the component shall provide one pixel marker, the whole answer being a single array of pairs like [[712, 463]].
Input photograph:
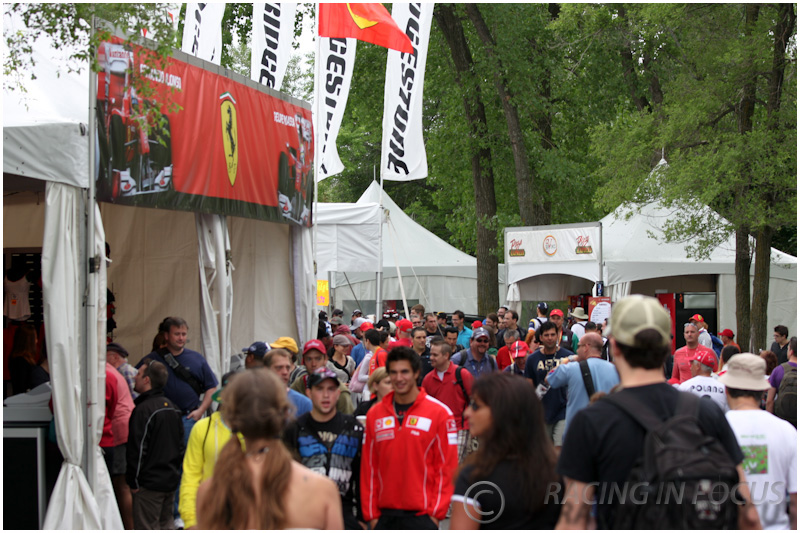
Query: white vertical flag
[[202, 32], [334, 64], [403, 148], [273, 33]]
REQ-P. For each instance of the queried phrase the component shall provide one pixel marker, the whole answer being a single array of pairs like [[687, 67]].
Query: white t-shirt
[[579, 329], [769, 445], [706, 386]]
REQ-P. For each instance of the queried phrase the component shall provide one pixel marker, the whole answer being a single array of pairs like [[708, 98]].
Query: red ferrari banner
[[229, 149], [368, 22]]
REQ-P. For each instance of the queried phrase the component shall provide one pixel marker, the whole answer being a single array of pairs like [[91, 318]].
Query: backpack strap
[[460, 382], [687, 403], [181, 371], [587, 377]]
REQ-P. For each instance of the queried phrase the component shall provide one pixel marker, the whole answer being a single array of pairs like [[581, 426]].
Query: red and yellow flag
[[369, 22]]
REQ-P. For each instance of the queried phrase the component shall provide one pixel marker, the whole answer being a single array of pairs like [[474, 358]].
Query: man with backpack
[[782, 395], [692, 477], [475, 359], [452, 385]]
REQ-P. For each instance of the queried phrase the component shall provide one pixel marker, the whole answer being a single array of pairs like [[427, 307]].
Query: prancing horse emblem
[[230, 139]]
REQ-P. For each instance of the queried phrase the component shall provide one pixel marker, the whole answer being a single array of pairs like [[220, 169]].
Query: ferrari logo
[[362, 22], [230, 139]]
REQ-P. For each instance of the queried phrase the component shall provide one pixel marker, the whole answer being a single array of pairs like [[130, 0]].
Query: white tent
[[155, 273], [435, 273], [636, 259]]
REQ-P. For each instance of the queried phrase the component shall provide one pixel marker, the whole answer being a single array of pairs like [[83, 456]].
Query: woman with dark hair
[[23, 358], [258, 486], [505, 484]]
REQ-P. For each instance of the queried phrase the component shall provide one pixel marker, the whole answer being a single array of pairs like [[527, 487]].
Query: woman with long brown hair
[[510, 482], [258, 486]]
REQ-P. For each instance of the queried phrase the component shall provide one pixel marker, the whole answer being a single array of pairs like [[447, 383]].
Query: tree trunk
[[742, 271], [629, 69], [758, 315], [482, 175], [527, 209]]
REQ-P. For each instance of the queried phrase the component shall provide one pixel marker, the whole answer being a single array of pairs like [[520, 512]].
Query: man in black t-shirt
[[329, 442], [604, 442]]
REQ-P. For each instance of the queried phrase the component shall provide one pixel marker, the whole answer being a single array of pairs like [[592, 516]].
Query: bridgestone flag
[[202, 32], [403, 152], [335, 58], [273, 32]]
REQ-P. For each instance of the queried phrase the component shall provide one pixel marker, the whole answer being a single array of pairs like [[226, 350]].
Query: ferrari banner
[[273, 32], [335, 59], [403, 148], [222, 147]]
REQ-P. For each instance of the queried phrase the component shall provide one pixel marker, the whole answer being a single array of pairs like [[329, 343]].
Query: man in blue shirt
[[475, 359], [603, 374], [538, 365], [464, 333]]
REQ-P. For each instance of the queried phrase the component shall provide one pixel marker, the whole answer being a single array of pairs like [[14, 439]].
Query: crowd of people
[[400, 423]]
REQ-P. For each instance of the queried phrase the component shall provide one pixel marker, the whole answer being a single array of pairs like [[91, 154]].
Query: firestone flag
[[334, 64], [202, 32], [403, 148], [368, 22], [273, 32]]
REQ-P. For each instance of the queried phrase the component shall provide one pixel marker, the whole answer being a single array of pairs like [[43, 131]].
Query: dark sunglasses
[[483, 339]]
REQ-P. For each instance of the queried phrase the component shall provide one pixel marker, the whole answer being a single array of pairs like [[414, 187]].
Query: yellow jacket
[[206, 441]]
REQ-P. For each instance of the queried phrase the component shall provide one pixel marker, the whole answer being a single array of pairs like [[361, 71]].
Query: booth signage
[[323, 293], [229, 149], [568, 244]]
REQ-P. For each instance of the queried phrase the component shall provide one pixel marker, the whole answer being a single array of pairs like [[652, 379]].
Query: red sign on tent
[[229, 149]]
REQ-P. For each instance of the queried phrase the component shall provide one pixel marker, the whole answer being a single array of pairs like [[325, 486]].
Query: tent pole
[[90, 312], [379, 275]]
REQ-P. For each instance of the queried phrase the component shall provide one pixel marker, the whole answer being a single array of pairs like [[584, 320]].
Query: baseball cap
[[726, 333], [477, 324], [222, 383], [357, 312], [708, 359], [518, 349], [634, 314], [314, 344], [366, 325], [117, 348], [320, 375], [337, 312], [336, 320], [404, 325], [341, 340], [557, 312], [441, 315], [542, 307], [287, 343], [357, 323], [479, 332], [698, 318], [258, 348], [746, 372]]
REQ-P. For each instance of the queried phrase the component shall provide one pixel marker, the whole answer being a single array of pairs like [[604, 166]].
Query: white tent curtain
[[216, 290], [72, 504], [619, 290], [305, 285], [513, 299]]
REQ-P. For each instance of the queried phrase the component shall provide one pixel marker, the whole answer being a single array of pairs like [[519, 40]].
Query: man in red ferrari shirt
[[409, 454], [681, 366]]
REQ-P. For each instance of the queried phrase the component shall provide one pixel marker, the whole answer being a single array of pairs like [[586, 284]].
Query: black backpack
[[684, 478], [786, 402]]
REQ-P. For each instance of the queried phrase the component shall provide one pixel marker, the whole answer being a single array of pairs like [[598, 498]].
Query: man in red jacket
[[409, 454]]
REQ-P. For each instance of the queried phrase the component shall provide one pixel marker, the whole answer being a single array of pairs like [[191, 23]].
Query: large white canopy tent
[[636, 259], [435, 273], [155, 273]]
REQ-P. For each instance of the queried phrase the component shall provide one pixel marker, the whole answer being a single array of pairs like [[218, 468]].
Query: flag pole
[[379, 276], [316, 121]]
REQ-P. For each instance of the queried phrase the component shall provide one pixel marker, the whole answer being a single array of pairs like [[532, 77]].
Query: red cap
[[698, 318], [404, 325], [314, 344], [477, 324], [726, 333], [557, 312], [365, 326], [518, 349], [674, 381], [706, 358]]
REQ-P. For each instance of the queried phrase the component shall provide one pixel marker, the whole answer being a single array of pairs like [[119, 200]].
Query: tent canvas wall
[[637, 260], [435, 273]]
